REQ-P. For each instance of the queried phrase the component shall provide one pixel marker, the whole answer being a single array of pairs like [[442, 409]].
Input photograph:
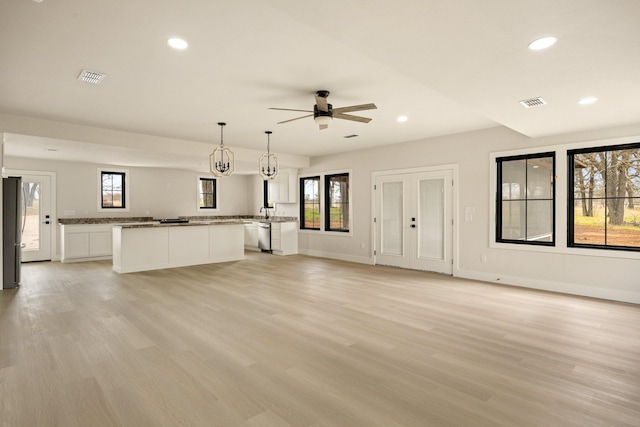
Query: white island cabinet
[[85, 242], [153, 247]]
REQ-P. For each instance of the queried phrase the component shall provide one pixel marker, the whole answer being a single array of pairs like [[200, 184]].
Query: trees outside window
[[333, 214], [337, 202], [207, 193], [113, 190], [525, 201], [310, 203], [604, 197]]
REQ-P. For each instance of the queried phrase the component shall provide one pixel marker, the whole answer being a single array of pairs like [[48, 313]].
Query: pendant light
[[268, 163], [221, 160]]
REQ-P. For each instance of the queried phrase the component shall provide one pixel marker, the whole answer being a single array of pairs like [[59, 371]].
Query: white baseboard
[[552, 286]]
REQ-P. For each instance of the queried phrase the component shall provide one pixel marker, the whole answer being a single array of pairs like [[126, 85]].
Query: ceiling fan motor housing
[[319, 113]]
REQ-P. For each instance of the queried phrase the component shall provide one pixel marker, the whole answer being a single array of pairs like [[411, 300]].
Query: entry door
[[36, 218], [413, 225]]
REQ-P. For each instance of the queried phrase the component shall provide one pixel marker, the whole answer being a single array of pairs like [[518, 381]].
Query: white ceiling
[[450, 66]]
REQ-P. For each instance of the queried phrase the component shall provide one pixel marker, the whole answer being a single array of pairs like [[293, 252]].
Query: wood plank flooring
[[301, 341]]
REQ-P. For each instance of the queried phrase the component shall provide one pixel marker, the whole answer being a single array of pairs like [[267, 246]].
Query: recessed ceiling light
[[588, 100], [177, 43], [542, 43], [402, 119]]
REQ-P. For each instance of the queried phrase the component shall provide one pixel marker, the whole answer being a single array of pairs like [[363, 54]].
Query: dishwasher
[[264, 236]]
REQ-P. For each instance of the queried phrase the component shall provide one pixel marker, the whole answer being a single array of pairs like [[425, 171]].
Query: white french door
[[36, 219], [413, 225]]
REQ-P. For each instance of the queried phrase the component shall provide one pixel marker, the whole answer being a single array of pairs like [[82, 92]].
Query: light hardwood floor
[[300, 341]]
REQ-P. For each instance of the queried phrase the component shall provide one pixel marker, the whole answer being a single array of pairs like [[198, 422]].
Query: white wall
[[159, 193], [604, 274]]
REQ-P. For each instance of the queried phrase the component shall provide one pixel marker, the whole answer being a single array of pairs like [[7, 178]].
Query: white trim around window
[[216, 191], [127, 190], [321, 190], [561, 200]]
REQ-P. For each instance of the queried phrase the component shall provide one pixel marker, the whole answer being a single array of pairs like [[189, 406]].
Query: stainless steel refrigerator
[[11, 231]]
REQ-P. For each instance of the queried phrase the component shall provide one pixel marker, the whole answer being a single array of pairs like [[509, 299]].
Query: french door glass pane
[[431, 219], [31, 215], [392, 213]]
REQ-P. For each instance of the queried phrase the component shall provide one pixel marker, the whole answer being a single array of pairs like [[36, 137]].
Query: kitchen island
[[154, 246]]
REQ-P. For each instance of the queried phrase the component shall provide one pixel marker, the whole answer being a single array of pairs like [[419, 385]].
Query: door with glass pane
[[413, 225], [36, 221]]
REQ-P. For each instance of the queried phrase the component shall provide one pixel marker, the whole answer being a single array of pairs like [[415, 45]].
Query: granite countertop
[[78, 221], [137, 222], [243, 217]]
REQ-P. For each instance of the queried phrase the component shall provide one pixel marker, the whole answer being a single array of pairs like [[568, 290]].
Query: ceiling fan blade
[[290, 109], [350, 117], [321, 102], [297, 118], [361, 107], [323, 126]]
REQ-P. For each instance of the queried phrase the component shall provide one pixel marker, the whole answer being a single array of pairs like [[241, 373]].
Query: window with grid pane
[[604, 197], [207, 193], [526, 199], [310, 203], [113, 190], [336, 202]]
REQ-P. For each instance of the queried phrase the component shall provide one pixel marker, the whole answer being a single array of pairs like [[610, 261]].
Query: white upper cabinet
[[284, 187]]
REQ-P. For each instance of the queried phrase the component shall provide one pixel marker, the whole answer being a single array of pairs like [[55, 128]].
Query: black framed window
[[266, 196], [525, 199], [310, 203], [113, 190], [207, 192], [604, 197], [336, 206]]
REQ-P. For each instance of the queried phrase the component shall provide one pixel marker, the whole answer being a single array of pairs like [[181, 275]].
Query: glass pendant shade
[[268, 163], [322, 120], [221, 160]]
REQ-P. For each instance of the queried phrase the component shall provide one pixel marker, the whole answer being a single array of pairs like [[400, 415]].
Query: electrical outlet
[[483, 258]]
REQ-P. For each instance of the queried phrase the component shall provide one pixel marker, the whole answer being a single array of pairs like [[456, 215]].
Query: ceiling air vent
[[533, 102], [351, 136], [91, 76]]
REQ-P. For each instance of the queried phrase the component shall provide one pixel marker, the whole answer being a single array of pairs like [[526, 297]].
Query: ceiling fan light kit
[[221, 160], [323, 112], [268, 163]]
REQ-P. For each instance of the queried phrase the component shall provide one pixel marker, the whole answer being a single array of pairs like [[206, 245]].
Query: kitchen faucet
[[266, 211]]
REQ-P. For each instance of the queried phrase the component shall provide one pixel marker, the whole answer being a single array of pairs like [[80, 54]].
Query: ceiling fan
[[323, 112]]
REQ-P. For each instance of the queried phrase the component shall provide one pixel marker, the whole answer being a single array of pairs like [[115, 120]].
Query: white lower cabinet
[[251, 236], [284, 238], [85, 242]]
